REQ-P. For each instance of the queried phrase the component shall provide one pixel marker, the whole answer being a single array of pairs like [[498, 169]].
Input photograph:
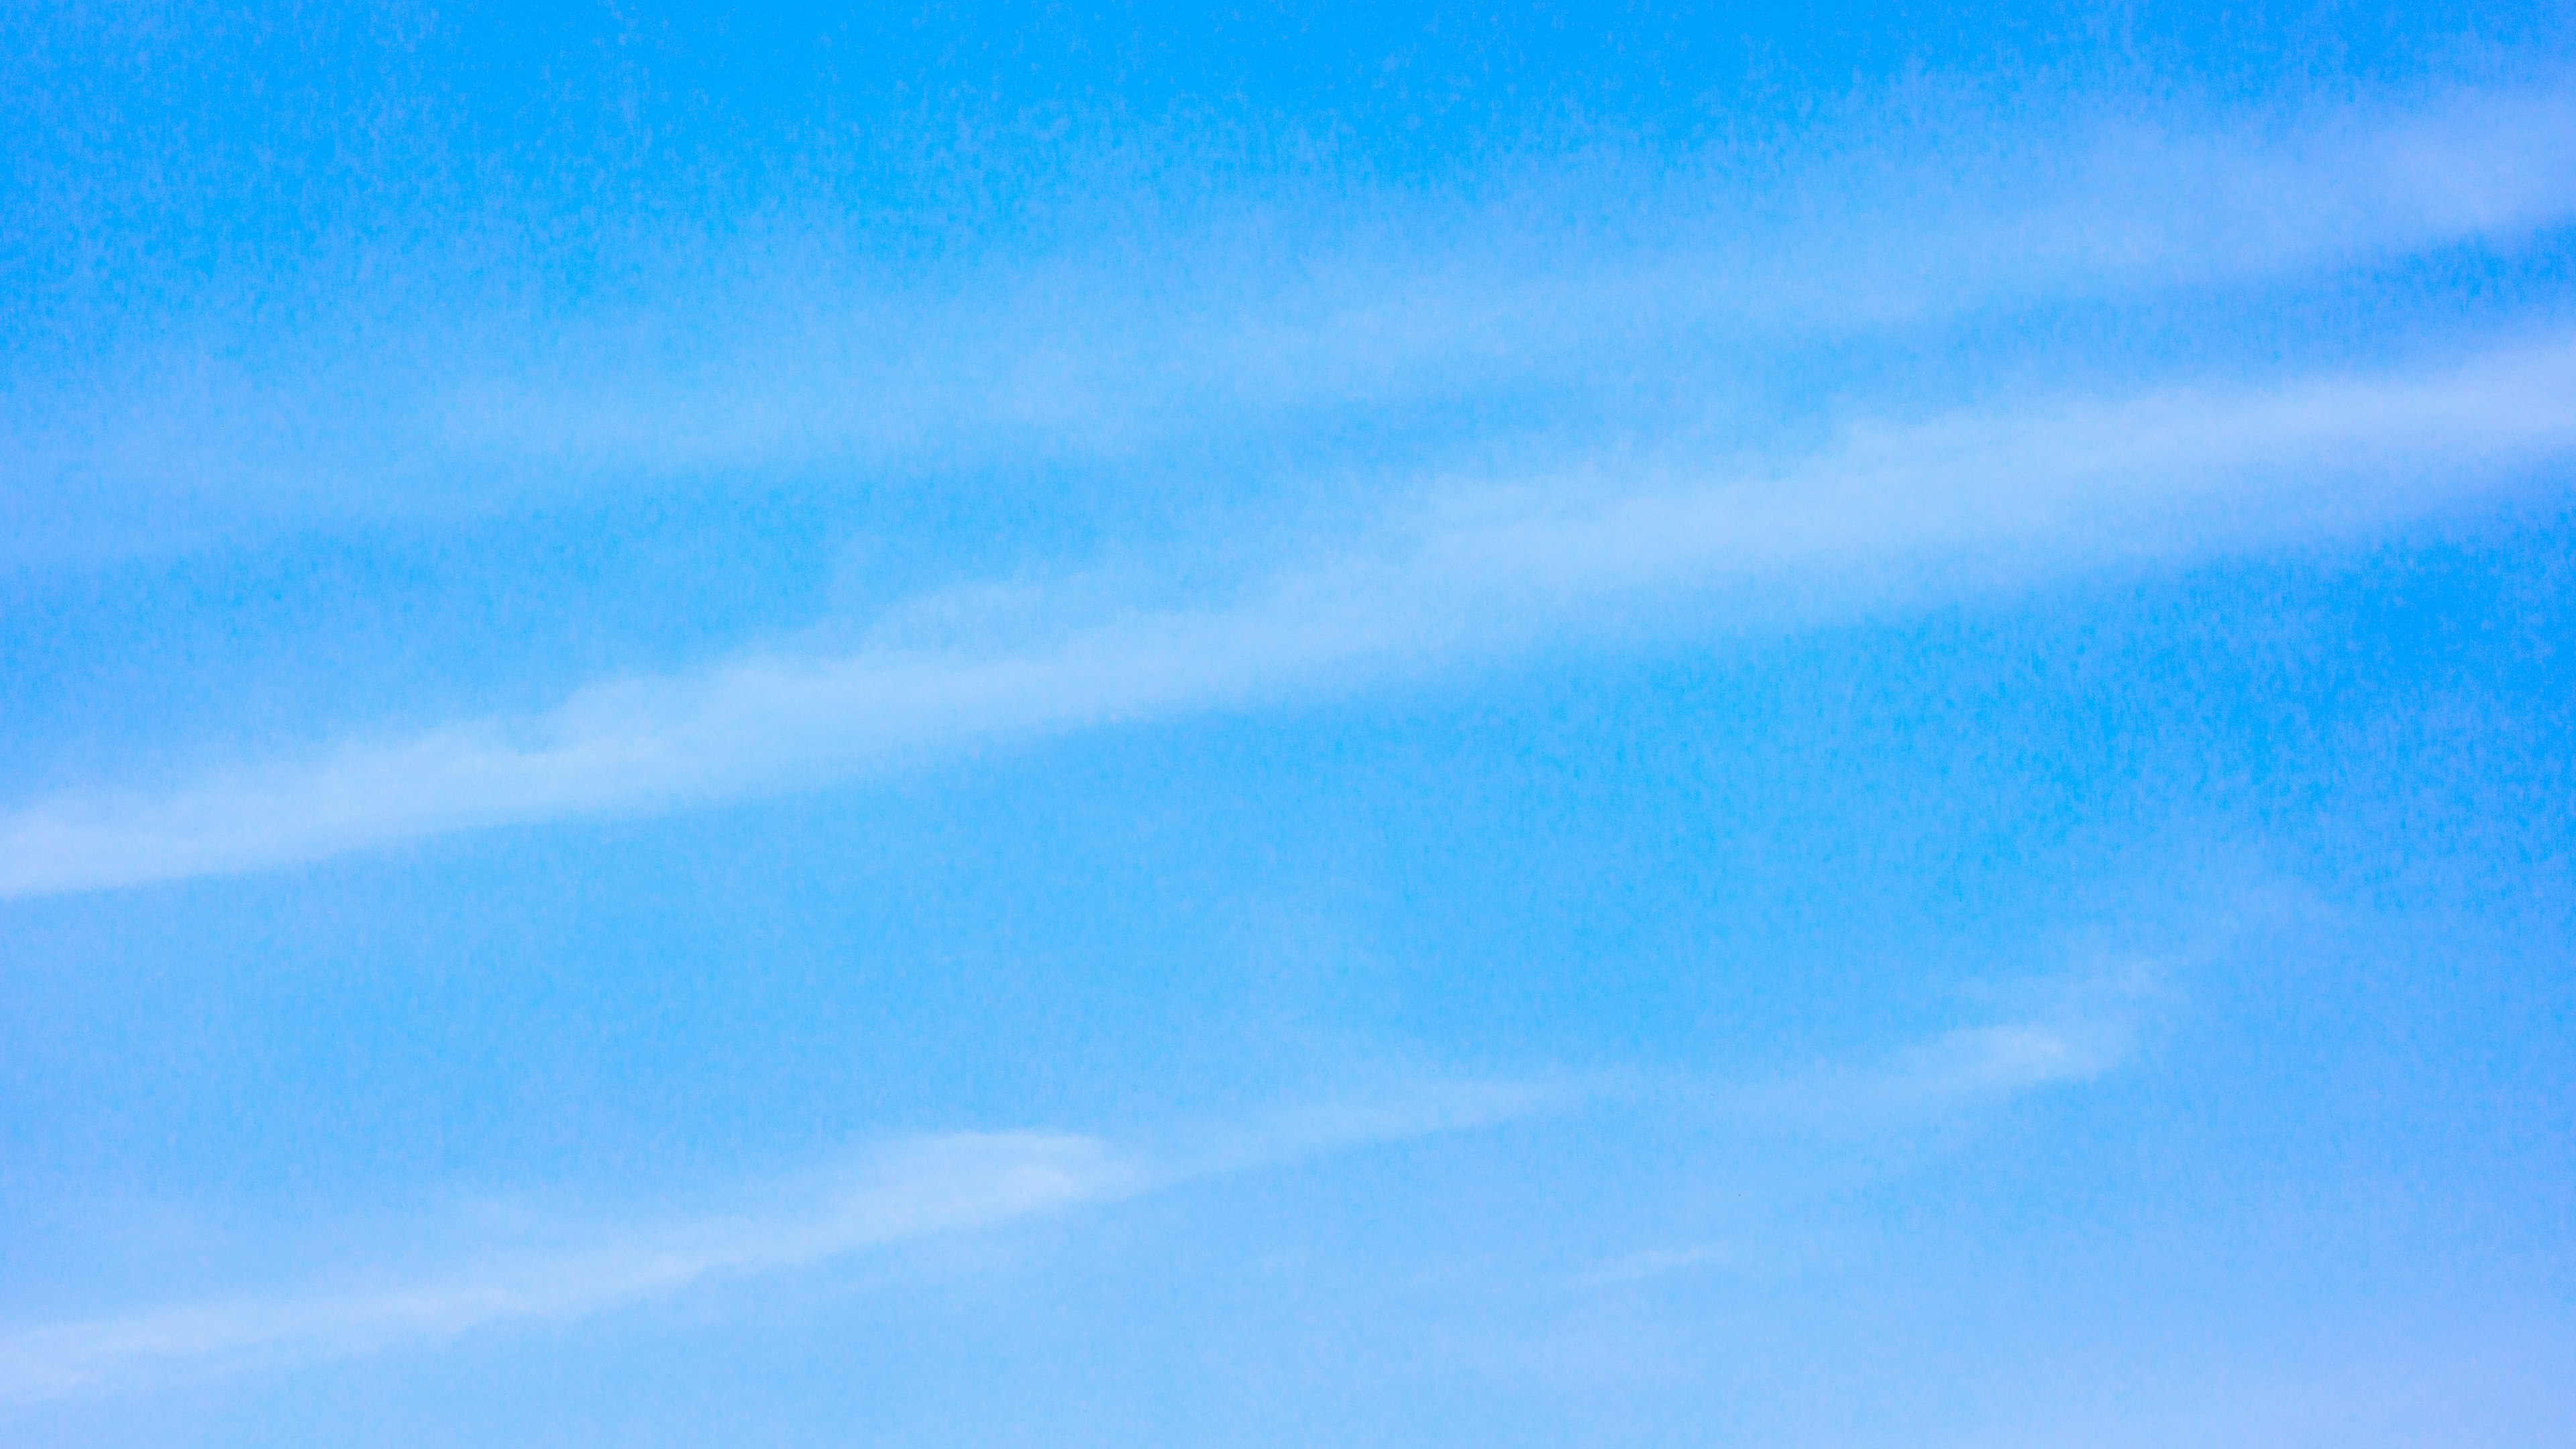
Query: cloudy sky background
[[1380, 725]]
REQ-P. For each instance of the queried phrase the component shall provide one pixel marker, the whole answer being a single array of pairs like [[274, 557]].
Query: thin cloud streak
[[1878, 239], [1889, 516], [966, 1182], [791, 358], [940, 1185], [1956, 1070], [914, 1191]]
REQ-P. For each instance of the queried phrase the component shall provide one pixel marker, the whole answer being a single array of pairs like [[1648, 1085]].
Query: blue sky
[[1376, 724]]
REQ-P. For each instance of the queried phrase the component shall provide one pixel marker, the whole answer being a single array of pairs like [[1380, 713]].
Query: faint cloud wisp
[[1891, 515]]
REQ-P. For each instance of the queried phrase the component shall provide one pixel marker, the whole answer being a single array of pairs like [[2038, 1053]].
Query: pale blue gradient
[[1333, 725]]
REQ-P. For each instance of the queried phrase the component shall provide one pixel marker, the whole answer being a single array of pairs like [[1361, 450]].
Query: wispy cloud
[[1867, 236], [938, 1185], [792, 357], [928, 1187], [1648, 1263], [900, 1194], [1682, 539], [1855, 1110], [1955, 1070]]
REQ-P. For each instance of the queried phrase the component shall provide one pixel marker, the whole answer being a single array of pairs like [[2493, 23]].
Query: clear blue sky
[[1373, 725]]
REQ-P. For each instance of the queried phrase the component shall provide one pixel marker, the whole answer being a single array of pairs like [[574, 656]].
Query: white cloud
[[1931, 1080], [1889, 514], [937, 1185], [1871, 233], [792, 358], [1648, 1263], [958, 1183], [1892, 511], [908, 1192]]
